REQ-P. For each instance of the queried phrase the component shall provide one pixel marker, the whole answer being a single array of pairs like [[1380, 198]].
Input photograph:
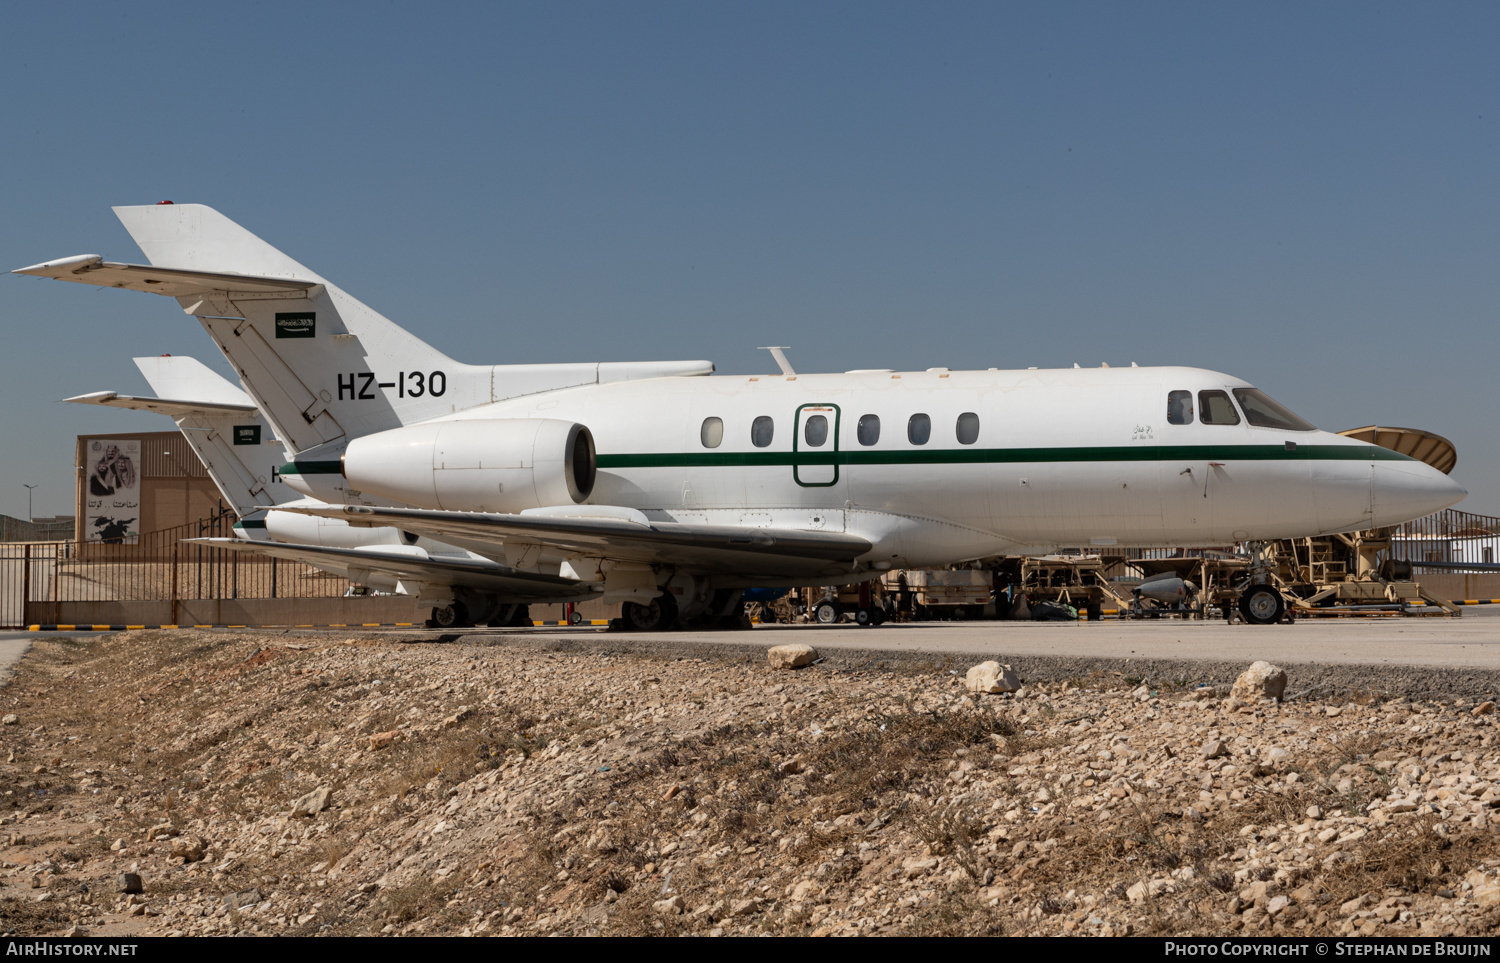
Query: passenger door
[[815, 446]]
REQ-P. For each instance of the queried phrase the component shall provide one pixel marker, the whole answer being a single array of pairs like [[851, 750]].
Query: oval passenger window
[[919, 429], [713, 432], [815, 431], [968, 428], [761, 431], [869, 429]]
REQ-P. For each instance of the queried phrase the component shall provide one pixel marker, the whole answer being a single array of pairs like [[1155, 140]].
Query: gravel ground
[[309, 783]]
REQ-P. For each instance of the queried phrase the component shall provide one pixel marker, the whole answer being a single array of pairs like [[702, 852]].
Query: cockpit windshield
[[1263, 412]]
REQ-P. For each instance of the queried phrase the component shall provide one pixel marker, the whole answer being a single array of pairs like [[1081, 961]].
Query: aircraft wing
[[172, 282], [759, 553], [165, 406], [508, 583]]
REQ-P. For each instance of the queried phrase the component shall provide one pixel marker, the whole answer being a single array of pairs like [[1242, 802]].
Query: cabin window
[[919, 429], [713, 432], [1262, 412], [968, 428], [1179, 407], [815, 431], [869, 429], [1217, 408], [761, 431]]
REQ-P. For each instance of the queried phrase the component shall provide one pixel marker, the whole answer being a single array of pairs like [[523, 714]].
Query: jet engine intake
[[502, 465]]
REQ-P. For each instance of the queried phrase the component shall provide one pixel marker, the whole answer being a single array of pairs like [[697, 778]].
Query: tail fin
[[237, 448], [221, 425], [197, 238], [321, 366]]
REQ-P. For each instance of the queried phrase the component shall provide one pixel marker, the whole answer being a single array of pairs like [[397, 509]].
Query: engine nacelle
[[501, 465]]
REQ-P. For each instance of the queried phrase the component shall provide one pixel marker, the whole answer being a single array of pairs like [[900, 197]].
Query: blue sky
[[1304, 195]]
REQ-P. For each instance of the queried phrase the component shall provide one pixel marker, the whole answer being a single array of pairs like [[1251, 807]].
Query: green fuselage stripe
[[958, 456], [1001, 456]]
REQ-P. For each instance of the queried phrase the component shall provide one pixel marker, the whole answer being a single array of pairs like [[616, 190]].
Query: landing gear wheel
[[827, 613], [877, 616], [1262, 605], [658, 615], [862, 616], [453, 616]]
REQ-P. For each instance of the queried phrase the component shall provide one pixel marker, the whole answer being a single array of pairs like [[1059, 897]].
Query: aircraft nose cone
[[1402, 492]]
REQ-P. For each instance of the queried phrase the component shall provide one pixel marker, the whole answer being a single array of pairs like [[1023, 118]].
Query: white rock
[[991, 677], [669, 907], [1261, 682], [313, 803], [793, 655], [10, 719]]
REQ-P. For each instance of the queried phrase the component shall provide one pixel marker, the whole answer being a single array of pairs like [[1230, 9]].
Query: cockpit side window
[[1179, 407], [1262, 412], [1217, 409]]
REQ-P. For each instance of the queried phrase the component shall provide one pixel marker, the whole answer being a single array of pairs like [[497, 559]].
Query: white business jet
[[652, 484]]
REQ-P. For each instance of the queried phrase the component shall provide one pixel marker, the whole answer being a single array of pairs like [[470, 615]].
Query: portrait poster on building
[[114, 491]]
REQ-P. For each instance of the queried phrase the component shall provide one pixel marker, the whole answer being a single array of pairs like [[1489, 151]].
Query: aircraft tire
[[658, 615], [827, 612], [453, 616], [1262, 605], [863, 617]]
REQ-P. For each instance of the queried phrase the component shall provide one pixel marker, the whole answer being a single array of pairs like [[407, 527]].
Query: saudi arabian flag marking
[[296, 324]]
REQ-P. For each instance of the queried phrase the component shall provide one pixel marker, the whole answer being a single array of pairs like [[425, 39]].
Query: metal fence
[[160, 567], [1450, 538]]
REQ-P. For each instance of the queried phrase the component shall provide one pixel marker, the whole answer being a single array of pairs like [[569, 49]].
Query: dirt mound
[[522, 786]]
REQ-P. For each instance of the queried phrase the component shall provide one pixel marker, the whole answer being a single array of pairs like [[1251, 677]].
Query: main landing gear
[[454, 615], [657, 615]]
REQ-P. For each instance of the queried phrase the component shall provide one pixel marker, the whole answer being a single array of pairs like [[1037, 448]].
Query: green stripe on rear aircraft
[[312, 468]]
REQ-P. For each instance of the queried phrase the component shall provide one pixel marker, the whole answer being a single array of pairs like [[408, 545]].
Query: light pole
[[28, 503]]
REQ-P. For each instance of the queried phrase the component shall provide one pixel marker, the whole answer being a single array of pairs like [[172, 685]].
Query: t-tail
[[323, 367], [223, 427]]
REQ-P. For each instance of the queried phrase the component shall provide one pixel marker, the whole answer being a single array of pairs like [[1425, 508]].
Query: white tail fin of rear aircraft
[[221, 424], [323, 367]]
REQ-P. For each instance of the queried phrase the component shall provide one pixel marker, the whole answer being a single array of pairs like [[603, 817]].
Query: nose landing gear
[[1262, 605]]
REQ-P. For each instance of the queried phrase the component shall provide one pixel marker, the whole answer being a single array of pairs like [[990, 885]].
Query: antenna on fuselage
[[781, 362]]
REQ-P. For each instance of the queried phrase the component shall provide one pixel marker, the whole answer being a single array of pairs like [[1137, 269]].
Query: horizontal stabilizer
[[176, 408], [754, 552], [415, 565], [172, 282]]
